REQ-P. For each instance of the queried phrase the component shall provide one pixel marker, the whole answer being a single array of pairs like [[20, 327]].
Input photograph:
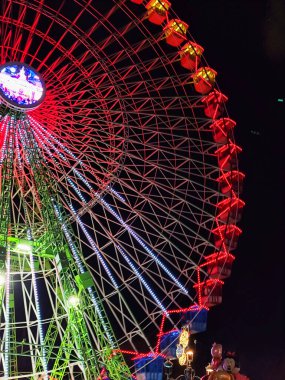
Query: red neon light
[[229, 203], [227, 229], [127, 352], [210, 282], [160, 333], [217, 257], [229, 149], [199, 287], [230, 210], [226, 236], [149, 355], [227, 156], [232, 175], [177, 311], [167, 332]]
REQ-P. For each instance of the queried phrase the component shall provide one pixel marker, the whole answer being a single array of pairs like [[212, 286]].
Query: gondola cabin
[[168, 343], [226, 236], [157, 11], [190, 56], [204, 80], [175, 32], [222, 130], [226, 155], [210, 292], [230, 210], [219, 265], [214, 104], [231, 183]]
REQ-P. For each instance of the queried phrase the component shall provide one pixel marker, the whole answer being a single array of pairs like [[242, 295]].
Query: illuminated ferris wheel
[[119, 187]]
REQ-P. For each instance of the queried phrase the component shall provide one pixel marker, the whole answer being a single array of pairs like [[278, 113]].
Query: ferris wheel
[[119, 187]]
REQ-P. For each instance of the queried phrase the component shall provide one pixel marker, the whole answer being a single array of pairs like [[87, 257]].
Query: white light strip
[[94, 247], [22, 138], [114, 213], [75, 188], [38, 309], [141, 278], [89, 238], [18, 152], [119, 196], [40, 129], [7, 318], [43, 137]]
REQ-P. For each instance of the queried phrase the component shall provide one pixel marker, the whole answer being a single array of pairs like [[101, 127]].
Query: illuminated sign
[[184, 338], [181, 347], [21, 87]]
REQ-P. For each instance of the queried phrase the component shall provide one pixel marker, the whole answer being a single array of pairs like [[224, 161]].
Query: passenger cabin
[[157, 11], [190, 56], [226, 237], [204, 79], [175, 32], [214, 104]]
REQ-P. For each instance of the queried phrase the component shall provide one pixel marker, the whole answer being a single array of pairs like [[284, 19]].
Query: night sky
[[244, 42]]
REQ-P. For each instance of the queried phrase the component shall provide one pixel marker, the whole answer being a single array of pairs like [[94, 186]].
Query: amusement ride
[[120, 189]]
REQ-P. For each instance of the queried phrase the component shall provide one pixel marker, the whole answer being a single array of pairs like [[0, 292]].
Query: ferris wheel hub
[[21, 87]]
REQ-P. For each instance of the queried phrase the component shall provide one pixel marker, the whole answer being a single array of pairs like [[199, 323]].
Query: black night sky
[[244, 42]]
